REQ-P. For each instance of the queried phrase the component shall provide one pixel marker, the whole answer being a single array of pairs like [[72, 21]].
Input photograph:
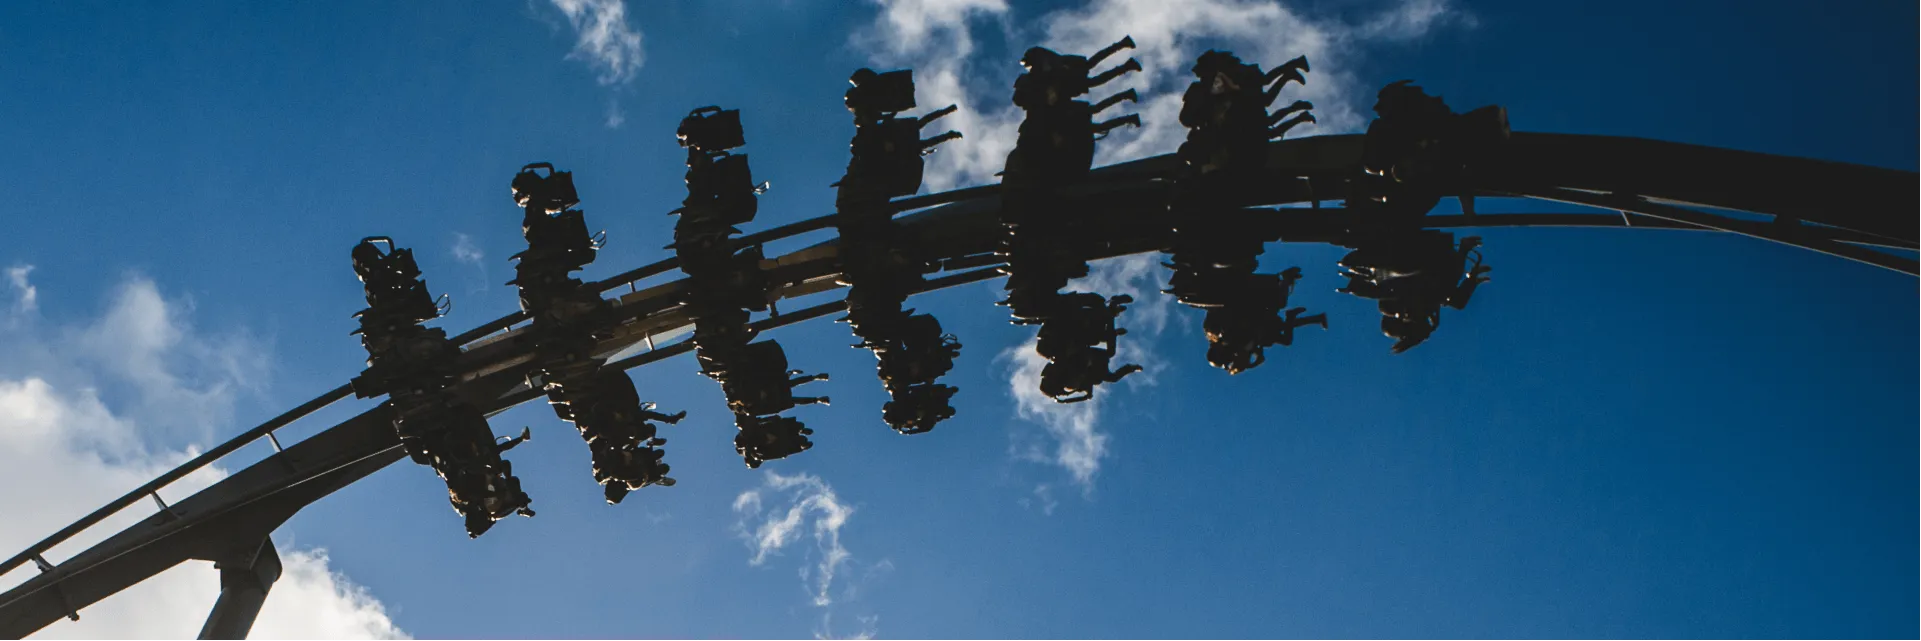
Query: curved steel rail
[[1844, 210]]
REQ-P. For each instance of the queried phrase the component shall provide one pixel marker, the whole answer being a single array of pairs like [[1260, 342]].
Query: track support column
[[244, 583]]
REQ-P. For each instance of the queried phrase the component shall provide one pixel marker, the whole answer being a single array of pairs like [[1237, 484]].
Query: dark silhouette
[[620, 434], [766, 438], [414, 366], [1239, 333], [1414, 275], [1042, 249], [480, 484], [569, 319], [1417, 149], [1212, 255], [879, 264], [1225, 111], [725, 285]]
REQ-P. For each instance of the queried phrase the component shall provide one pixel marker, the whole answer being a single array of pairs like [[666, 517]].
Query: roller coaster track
[[1850, 211]]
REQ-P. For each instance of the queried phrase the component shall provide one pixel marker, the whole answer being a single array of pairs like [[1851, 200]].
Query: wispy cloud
[[615, 117], [799, 500], [26, 298], [1078, 445], [868, 626], [465, 251], [783, 509], [605, 42], [604, 39], [1413, 19], [935, 37], [1043, 499], [79, 445]]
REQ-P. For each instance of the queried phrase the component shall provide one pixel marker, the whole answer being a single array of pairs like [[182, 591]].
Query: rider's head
[[1214, 62], [1035, 57]]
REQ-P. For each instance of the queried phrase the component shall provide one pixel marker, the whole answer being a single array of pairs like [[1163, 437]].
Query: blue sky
[[1632, 434]]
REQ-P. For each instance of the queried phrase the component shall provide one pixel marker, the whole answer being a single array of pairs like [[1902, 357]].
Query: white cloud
[[606, 42], [935, 38], [26, 298], [1043, 499], [312, 601], [868, 627], [1413, 19], [802, 498], [465, 251], [1078, 442], [615, 117], [177, 379], [775, 515], [61, 435], [908, 28]]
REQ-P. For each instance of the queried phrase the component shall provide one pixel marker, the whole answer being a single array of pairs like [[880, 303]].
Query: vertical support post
[[244, 583], [163, 504], [45, 567]]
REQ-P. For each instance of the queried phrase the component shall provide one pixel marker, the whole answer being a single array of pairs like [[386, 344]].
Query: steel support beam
[[1867, 199], [244, 584], [1786, 231]]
